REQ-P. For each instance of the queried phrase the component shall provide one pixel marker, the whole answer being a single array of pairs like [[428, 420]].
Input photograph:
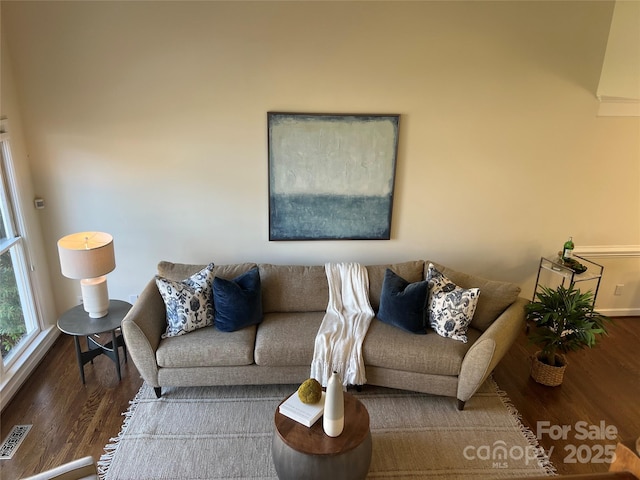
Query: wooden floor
[[71, 420], [600, 391]]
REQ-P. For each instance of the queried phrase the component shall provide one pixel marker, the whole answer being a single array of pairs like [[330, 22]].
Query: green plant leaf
[[563, 320]]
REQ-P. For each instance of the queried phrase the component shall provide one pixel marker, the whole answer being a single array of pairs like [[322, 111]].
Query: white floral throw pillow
[[450, 308], [188, 302]]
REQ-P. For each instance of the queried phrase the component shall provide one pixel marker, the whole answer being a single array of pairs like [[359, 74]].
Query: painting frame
[[331, 176]]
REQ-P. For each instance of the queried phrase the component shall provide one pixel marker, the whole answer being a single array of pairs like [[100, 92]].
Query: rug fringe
[[110, 449], [541, 456]]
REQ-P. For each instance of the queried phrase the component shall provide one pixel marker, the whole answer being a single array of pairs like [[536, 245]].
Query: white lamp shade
[[86, 255]]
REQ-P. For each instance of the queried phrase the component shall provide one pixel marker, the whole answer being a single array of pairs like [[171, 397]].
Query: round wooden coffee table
[[302, 452]]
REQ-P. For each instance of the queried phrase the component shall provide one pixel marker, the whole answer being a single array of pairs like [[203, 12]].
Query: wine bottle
[[567, 251]]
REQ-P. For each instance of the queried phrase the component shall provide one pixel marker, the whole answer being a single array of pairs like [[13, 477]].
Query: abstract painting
[[331, 176]]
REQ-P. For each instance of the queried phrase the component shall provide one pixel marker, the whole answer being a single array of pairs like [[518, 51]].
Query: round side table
[[78, 323], [307, 452]]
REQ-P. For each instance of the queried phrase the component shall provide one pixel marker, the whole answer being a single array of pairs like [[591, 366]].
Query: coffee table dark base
[[95, 348], [293, 465]]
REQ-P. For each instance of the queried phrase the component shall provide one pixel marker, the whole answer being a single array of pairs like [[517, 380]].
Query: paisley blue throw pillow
[[403, 304], [237, 303], [188, 302], [451, 307]]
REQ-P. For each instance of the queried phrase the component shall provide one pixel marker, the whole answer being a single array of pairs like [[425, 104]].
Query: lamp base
[[95, 296]]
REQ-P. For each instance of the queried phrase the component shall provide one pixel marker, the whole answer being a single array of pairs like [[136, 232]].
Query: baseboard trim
[[15, 376], [619, 312], [595, 251]]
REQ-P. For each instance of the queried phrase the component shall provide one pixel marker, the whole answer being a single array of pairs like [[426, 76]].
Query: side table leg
[[116, 355], [124, 347], [89, 341], [79, 356]]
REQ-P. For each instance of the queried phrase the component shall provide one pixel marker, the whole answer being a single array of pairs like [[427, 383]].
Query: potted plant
[[561, 320]]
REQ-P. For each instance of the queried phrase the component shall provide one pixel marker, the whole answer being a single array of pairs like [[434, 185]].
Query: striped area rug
[[225, 433]]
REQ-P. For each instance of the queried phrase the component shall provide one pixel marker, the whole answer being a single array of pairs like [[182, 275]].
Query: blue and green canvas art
[[331, 176]]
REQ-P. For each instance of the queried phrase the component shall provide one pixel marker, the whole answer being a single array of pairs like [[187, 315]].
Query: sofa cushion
[[178, 271], [450, 307], [495, 298], [287, 339], [402, 303], [237, 303], [389, 347], [293, 288], [208, 347], [187, 302], [410, 271]]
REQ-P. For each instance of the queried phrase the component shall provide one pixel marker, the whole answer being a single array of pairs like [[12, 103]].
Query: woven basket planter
[[546, 374]]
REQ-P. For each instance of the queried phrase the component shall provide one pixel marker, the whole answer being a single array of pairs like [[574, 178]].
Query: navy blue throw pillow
[[403, 304], [237, 303]]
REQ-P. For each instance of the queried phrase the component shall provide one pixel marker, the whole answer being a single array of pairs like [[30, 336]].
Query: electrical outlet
[[133, 298], [618, 290]]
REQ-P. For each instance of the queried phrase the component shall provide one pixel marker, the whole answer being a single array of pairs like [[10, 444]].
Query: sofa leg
[[461, 404], [158, 391]]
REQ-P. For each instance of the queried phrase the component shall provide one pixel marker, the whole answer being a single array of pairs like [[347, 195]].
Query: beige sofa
[[279, 350]]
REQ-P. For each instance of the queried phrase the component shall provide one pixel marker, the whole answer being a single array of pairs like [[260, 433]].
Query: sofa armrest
[[142, 328], [489, 349]]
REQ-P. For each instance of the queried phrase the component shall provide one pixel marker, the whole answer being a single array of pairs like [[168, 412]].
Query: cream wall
[[148, 120], [621, 66], [623, 270], [14, 373], [36, 255]]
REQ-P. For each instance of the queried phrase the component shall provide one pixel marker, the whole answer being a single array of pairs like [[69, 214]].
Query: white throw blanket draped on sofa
[[339, 340]]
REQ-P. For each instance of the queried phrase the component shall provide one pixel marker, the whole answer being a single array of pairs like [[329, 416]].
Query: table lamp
[[88, 257]]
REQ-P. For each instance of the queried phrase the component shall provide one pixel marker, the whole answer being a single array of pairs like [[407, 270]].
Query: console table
[[592, 275], [77, 322]]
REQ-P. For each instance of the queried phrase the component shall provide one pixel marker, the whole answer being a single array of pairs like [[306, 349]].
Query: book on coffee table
[[304, 413]]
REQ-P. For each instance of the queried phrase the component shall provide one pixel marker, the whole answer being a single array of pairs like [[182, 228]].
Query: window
[[18, 320]]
